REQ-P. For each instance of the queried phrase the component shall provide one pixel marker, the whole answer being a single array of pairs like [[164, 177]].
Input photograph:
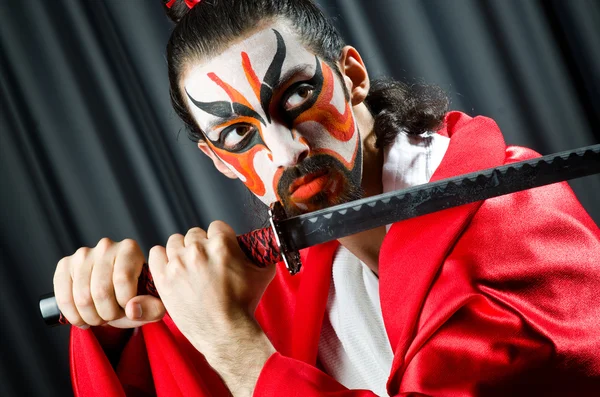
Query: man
[[490, 298]]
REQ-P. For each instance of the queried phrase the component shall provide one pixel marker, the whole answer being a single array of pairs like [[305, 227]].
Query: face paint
[[278, 117]]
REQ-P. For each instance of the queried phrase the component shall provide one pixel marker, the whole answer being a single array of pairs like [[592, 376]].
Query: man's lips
[[307, 186]]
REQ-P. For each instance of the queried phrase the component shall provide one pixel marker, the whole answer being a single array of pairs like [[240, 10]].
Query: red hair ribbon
[[189, 3]]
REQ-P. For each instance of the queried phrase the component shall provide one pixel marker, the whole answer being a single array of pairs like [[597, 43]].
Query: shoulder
[[455, 121], [534, 226]]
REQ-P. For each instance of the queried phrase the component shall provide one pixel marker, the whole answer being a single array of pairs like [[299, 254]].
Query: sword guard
[[290, 258]]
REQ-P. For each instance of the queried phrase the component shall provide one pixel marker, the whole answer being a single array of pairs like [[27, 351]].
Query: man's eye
[[236, 134], [298, 97]]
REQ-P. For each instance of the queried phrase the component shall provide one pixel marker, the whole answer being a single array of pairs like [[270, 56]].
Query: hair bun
[[177, 9]]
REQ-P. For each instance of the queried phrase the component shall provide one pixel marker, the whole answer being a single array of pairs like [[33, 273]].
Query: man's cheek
[[322, 141], [331, 110], [244, 165], [267, 173]]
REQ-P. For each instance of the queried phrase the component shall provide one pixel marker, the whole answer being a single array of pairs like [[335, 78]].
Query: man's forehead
[[260, 47]]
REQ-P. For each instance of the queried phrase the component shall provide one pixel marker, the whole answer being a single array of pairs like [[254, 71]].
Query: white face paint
[[270, 108]]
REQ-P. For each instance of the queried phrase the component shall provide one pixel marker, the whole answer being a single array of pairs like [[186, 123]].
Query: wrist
[[239, 358]]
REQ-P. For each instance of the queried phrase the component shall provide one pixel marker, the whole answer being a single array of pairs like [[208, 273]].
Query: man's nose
[[287, 150]]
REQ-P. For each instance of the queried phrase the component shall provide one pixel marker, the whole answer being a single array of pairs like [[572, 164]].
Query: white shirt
[[354, 347]]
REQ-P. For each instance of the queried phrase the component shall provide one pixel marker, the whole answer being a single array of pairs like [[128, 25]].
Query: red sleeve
[[156, 361], [90, 367], [93, 374], [284, 376]]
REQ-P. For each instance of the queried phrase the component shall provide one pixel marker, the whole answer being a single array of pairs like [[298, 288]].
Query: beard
[[350, 183]]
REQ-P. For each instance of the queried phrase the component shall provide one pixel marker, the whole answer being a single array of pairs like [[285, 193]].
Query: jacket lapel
[[414, 250]]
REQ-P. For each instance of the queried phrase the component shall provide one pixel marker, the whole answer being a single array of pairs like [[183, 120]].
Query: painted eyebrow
[[287, 76], [225, 111]]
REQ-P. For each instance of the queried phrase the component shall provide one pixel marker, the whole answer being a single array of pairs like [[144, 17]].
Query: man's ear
[[355, 74], [223, 169]]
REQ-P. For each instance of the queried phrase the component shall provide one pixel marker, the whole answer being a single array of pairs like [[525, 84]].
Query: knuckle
[[220, 227], [154, 249], [218, 224], [175, 236], [82, 253], [194, 230], [104, 244], [129, 245], [62, 264]]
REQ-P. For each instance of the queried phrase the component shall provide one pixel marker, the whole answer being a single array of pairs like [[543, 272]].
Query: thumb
[[145, 308]]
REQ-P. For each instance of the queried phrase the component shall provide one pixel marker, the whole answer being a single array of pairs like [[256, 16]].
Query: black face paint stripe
[[273, 75], [220, 109], [226, 110], [245, 111], [317, 82]]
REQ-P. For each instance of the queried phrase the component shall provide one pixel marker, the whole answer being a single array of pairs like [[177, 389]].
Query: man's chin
[[317, 183]]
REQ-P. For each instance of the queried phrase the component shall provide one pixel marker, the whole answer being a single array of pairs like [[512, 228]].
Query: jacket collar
[[414, 250]]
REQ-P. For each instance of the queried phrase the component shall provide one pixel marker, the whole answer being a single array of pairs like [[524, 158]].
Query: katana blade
[[286, 237], [346, 219]]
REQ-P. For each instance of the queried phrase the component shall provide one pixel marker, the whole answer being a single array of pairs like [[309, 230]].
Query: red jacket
[[492, 298]]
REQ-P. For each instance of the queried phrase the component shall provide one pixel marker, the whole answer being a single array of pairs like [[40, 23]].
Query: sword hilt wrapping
[[260, 246]]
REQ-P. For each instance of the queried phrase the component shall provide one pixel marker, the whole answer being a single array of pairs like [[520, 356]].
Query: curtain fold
[[90, 146]]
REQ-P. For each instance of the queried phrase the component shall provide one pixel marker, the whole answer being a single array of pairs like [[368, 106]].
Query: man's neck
[[366, 245]]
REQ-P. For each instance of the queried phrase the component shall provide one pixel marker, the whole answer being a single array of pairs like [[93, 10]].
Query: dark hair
[[209, 27]]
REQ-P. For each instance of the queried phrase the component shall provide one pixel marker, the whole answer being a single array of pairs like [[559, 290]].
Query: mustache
[[307, 166]]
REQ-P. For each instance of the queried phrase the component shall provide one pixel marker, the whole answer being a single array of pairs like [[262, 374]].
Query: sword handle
[[260, 246]]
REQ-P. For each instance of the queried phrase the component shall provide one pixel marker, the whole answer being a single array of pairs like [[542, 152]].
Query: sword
[[286, 236]]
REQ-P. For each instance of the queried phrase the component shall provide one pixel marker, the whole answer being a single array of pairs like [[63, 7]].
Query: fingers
[[174, 245], [127, 268], [82, 294], [93, 285], [195, 234], [150, 309], [219, 228], [102, 288], [157, 261], [63, 291], [222, 241], [145, 308]]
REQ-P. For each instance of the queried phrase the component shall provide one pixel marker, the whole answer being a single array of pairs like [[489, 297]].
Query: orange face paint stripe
[[341, 126], [244, 164], [233, 94], [251, 75]]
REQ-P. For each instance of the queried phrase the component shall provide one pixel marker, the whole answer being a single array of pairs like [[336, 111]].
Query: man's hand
[[97, 286], [211, 291]]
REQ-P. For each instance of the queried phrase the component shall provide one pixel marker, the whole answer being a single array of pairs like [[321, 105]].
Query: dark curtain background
[[91, 148]]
